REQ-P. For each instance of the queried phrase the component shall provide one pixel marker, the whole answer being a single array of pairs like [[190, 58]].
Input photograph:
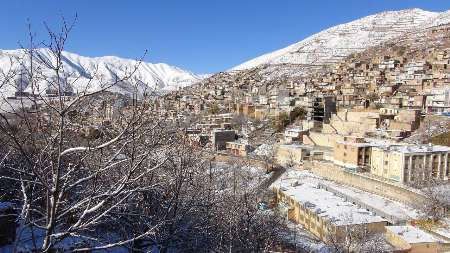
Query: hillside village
[[353, 123], [358, 148]]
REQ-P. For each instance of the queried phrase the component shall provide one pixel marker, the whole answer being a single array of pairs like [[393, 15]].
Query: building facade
[[411, 164]]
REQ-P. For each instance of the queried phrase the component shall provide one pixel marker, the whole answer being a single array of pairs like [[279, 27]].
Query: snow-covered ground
[[247, 176], [302, 239], [265, 149], [25, 243], [444, 229], [430, 127], [336, 43]]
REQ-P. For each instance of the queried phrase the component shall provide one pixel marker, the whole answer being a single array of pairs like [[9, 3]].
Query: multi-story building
[[219, 138], [321, 212], [410, 164], [353, 153], [438, 101]]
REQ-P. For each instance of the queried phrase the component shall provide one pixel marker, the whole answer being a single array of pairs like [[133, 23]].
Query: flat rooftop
[[398, 147], [299, 146], [411, 234], [421, 149], [324, 203]]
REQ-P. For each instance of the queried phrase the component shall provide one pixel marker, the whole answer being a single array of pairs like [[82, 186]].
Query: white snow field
[[91, 73], [338, 42]]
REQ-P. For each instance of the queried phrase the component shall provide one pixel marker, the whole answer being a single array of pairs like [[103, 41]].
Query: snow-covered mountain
[[336, 43], [85, 72]]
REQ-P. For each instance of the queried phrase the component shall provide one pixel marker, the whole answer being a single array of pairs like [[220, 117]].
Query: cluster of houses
[[351, 140], [357, 115], [413, 77]]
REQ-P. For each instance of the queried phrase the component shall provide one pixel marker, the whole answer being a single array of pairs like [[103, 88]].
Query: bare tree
[[267, 154], [71, 179], [356, 238], [436, 201], [78, 174]]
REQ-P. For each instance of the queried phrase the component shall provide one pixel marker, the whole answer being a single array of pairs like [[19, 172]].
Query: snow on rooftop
[[296, 145], [392, 208], [389, 207], [356, 144], [324, 203], [399, 147], [411, 234], [420, 148], [296, 129]]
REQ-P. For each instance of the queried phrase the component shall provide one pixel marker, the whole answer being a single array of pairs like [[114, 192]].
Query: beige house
[[353, 122], [410, 164], [352, 152], [292, 153], [408, 120], [238, 148]]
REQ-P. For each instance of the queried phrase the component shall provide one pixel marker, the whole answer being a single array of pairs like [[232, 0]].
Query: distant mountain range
[[92, 72], [324, 48], [336, 43]]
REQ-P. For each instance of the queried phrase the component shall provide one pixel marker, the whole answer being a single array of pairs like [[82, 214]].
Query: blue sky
[[203, 36]]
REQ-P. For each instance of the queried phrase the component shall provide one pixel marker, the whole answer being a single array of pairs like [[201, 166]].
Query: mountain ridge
[[335, 43], [158, 77]]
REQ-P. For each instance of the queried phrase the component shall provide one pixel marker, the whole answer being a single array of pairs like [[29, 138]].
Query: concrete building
[[346, 122], [292, 153], [353, 152], [219, 138], [321, 108], [238, 148], [321, 212], [406, 120], [438, 101], [410, 164]]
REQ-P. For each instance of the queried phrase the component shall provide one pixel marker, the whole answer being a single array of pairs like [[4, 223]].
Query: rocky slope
[[336, 43]]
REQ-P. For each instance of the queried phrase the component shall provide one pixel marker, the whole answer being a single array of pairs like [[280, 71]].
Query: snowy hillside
[[91, 73], [333, 44]]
